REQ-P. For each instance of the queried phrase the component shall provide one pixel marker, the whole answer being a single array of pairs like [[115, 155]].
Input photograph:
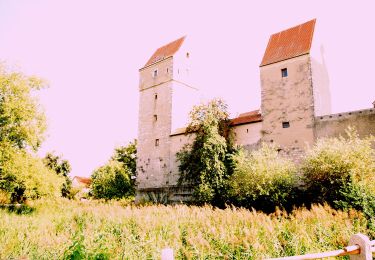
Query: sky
[[90, 53]]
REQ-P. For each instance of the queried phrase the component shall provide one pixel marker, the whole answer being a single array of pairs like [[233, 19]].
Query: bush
[[263, 180], [24, 176], [341, 171], [111, 181]]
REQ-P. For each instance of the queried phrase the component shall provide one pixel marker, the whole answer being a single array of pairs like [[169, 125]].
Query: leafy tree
[[111, 181], [127, 155], [205, 164], [61, 168], [22, 124], [114, 180]]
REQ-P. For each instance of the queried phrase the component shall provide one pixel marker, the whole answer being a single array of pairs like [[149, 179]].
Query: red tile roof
[[290, 43], [83, 180], [248, 117], [165, 51]]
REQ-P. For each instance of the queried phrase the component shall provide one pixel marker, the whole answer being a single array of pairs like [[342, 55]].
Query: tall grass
[[65, 229]]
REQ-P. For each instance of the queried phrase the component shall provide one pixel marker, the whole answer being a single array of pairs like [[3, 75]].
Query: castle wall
[[248, 135], [335, 125], [288, 99]]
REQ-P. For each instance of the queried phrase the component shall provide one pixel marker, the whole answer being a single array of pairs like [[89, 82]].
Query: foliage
[[62, 228], [22, 122], [341, 171], [23, 176], [263, 180], [111, 181], [204, 164], [127, 155], [61, 168]]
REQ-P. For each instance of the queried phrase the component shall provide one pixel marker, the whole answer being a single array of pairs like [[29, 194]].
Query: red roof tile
[[290, 43], [248, 117], [165, 51], [83, 180]]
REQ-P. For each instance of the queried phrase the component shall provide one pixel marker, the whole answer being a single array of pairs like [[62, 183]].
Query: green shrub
[[111, 181], [24, 176], [341, 171], [263, 180]]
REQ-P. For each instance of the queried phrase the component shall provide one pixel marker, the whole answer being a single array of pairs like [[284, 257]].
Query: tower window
[[155, 73], [187, 55], [286, 125], [284, 72], [156, 96], [155, 117], [156, 142]]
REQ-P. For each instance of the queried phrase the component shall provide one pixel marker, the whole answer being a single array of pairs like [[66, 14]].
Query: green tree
[[22, 121], [111, 181], [22, 125], [61, 168], [127, 155], [205, 164]]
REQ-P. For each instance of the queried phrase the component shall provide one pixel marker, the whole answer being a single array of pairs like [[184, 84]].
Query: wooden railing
[[359, 248]]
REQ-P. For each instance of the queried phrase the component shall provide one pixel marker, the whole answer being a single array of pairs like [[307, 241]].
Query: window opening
[[156, 142], [284, 72], [286, 125]]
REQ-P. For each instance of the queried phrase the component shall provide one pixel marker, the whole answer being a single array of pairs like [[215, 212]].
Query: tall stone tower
[[165, 94], [287, 89]]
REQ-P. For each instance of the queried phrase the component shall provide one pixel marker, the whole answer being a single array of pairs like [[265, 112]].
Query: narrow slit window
[[155, 73], [156, 142], [286, 125], [156, 96], [284, 72], [155, 118]]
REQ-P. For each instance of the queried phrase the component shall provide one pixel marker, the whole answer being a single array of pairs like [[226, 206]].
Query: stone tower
[[164, 101], [287, 89]]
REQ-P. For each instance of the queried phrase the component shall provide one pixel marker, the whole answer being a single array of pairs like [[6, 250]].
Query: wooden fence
[[359, 248]]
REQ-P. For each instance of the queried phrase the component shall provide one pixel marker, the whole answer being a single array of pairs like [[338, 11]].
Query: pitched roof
[[165, 51], [248, 117], [83, 180], [289, 43]]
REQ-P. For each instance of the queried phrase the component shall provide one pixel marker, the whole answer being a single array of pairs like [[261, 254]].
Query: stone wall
[[335, 125]]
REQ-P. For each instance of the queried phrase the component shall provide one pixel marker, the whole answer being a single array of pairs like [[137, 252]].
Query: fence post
[[364, 246], [167, 254]]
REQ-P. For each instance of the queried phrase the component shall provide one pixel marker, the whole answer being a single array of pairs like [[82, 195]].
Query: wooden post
[[365, 247], [167, 254]]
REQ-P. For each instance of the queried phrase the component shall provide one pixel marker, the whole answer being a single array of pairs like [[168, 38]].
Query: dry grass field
[[63, 229]]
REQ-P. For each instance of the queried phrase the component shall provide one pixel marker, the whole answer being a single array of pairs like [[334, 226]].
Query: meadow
[[63, 229]]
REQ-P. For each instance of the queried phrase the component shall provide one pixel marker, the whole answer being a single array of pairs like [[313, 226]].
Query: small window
[[286, 124], [247, 130], [155, 118], [167, 70], [156, 142], [284, 72], [156, 96], [155, 73], [187, 55]]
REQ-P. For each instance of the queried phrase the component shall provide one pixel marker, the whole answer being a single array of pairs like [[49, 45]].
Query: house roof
[[165, 51], [246, 118], [289, 43], [83, 180]]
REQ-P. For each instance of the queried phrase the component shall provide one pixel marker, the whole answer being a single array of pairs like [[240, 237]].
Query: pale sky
[[90, 52]]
